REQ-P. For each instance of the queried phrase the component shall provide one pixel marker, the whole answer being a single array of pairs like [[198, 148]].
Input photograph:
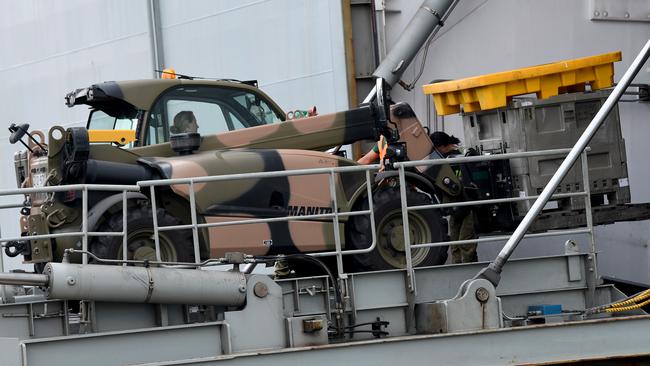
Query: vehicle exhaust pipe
[[109, 172]]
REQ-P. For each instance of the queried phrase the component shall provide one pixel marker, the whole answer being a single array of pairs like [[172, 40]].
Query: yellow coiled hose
[[629, 304], [626, 308], [642, 296]]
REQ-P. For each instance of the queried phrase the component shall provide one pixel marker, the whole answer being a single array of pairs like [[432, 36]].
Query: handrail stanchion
[[407, 233], [410, 273], [154, 216], [593, 264], [335, 221], [84, 224], [124, 229], [371, 207], [195, 231], [588, 212]]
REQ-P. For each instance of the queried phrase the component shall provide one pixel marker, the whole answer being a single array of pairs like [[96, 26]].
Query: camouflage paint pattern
[[141, 94], [417, 140], [281, 146], [264, 198], [312, 133]]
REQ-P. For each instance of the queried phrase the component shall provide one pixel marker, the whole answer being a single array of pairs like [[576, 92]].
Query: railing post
[[84, 224], [124, 229], [195, 232], [335, 220], [407, 232], [371, 208], [592, 263], [410, 273], [154, 214]]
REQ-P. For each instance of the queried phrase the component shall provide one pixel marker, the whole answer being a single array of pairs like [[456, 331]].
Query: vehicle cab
[[149, 106]]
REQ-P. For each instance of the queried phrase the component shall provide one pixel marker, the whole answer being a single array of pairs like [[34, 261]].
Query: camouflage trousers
[[462, 228]]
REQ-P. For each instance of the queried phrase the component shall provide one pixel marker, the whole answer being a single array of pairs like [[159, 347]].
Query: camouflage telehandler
[[241, 130]]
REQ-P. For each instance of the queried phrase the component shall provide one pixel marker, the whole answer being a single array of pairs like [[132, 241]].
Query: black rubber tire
[[175, 245], [427, 226]]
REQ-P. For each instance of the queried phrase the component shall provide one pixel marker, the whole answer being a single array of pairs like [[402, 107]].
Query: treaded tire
[[427, 226], [175, 245]]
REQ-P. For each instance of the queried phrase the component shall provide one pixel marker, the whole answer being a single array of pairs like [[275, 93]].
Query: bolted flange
[[482, 294], [260, 290]]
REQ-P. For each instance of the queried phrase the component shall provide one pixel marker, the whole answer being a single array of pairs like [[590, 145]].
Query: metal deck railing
[[405, 209], [579, 150], [335, 216]]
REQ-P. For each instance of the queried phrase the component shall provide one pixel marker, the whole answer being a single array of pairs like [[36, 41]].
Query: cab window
[[206, 110], [99, 120]]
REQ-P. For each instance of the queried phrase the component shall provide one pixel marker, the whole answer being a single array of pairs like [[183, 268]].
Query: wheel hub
[[391, 239], [145, 253], [142, 247], [396, 238]]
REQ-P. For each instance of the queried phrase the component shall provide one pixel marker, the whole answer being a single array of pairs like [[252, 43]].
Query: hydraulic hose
[[641, 296], [627, 308], [629, 303], [307, 258]]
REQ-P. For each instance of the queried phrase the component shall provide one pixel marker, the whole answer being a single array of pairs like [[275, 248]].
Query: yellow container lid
[[493, 90]]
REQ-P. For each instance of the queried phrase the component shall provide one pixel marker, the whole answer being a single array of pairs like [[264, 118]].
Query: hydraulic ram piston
[[144, 284]]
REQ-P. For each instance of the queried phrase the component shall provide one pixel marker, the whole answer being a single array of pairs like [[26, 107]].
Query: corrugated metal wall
[[293, 48], [50, 48]]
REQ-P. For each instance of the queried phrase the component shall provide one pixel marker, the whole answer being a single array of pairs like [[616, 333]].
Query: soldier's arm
[[369, 158]]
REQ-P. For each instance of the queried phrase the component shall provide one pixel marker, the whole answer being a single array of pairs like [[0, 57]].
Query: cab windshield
[[188, 108], [99, 120], [206, 110]]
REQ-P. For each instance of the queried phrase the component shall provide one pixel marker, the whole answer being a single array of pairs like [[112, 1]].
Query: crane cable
[[443, 19]]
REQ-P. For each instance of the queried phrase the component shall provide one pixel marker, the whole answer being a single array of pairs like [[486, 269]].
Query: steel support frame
[[626, 338]]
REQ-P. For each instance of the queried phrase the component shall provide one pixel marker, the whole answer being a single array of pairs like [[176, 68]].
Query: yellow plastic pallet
[[493, 90]]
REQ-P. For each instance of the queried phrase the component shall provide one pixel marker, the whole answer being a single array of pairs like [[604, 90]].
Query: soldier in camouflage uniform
[[461, 219], [461, 227]]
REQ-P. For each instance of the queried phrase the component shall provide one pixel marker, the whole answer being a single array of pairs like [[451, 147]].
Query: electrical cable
[[304, 257], [411, 85]]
